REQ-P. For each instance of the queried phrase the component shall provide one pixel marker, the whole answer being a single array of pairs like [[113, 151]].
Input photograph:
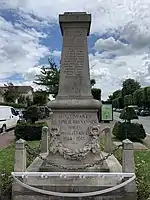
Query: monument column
[[74, 74], [74, 83], [74, 127]]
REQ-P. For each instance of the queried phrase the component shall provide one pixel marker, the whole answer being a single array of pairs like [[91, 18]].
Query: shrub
[[32, 114], [14, 105], [132, 131], [29, 132], [128, 114]]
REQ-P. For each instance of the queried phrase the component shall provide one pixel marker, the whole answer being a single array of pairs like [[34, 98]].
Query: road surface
[[145, 121], [6, 139]]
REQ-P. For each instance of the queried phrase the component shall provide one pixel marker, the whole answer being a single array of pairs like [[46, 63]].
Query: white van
[[8, 118]]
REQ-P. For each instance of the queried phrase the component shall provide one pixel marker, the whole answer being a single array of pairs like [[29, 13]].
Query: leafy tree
[[10, 95], [28, 101], [96, 93], [138, 97], [49, 78], [116, 94], [39, 98], [126, 129], [93, 82], [129, 86], [147, 97], [128, 114], [32, 114], [22, 99], [128, 100]]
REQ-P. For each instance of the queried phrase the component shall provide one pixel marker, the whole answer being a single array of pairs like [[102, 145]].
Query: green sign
[[107, 112]]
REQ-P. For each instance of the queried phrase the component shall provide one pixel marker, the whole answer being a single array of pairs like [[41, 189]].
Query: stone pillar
[[108, 140], [44, 141], [128, 165], [20, 156], [74, 73], [19, 166]]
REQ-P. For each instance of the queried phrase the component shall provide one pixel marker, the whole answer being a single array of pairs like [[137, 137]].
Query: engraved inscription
[[75, 32], [73, 61], [74, 128]]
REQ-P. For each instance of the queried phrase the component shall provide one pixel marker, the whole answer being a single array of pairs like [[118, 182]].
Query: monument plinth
[[74, 128]]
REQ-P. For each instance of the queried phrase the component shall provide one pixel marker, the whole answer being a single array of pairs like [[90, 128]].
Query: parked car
[[8, 118], [145, 113], [137, 111], [21, 116]]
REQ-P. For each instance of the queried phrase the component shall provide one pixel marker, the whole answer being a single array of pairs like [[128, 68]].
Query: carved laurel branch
[[77, 154]]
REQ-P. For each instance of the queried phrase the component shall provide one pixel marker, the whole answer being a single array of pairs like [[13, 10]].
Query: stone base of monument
[[74, 165], [72, 185]]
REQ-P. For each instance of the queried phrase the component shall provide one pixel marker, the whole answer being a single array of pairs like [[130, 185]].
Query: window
[[13, 111]]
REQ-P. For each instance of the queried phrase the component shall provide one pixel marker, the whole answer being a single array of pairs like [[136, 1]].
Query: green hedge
[[14, 105], [132, 131], [29, 132]]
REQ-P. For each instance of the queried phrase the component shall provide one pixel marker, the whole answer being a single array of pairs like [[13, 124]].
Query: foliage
[[39, 98], [138, 97], [116, 94], [49, 78], [28, 101], [132, 131], [128, 100], [29, 132], [118, 102], [7, 166], [93, 82], [14, 105], [96, 93], [129, 86], [10, 95], [32, 114], [142, 171], [142, 167], [147, 97], [22, 99], [128, 114]]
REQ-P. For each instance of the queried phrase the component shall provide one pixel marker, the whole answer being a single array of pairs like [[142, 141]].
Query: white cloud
[[110, 75], [109, 44], [55, 53], [129, 20], [105, 14], [19, 49], [30, 74]]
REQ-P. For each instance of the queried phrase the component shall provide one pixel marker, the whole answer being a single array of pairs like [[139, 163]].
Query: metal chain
[[32, 152]]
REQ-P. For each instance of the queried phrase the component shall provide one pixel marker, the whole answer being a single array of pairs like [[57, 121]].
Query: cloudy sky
[[119, 44]]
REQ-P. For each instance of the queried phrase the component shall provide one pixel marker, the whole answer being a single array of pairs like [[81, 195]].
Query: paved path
[[6, 139]]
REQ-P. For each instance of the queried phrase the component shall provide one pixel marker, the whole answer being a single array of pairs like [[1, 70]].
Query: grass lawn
[[7, 163], [142, 170]]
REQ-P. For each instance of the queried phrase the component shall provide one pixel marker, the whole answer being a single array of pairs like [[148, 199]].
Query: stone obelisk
[[74, 127]]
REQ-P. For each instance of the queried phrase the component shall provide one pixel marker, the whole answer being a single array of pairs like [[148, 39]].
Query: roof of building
[[19, 89]]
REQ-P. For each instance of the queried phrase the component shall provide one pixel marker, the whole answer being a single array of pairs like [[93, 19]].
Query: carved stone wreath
[[77, 154]]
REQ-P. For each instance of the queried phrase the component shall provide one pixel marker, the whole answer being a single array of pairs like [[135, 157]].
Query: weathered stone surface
[[75, 110], [73, 131]]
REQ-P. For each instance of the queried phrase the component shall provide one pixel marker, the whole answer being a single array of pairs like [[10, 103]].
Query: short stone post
[[108, 146], [128, 165], [44, 141], [20, 156], [19, 165]]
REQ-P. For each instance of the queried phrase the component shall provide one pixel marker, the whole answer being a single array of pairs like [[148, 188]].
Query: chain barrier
[[32, 152]]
